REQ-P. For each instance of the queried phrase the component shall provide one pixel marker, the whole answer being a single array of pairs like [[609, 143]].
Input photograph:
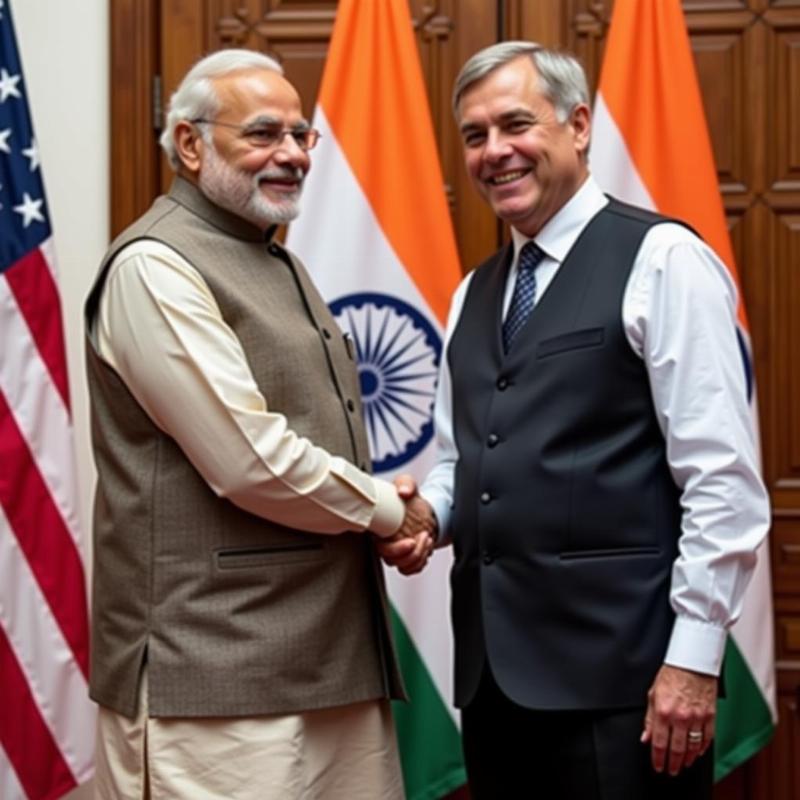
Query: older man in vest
[[597, 472], [241, 644]]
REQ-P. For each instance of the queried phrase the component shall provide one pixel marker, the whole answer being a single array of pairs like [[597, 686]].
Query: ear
[[189, 146], [581, 121]]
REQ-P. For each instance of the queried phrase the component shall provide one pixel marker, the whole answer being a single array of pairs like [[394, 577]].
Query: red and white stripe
[[47, 720]]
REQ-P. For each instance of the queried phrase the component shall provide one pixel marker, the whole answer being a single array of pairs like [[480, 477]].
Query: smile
[[506, 177]]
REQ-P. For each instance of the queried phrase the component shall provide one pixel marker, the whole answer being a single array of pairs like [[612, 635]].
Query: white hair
[[561, 76], [196, 97]]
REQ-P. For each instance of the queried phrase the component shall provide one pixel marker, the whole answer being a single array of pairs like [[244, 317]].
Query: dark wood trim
[[134, 61]]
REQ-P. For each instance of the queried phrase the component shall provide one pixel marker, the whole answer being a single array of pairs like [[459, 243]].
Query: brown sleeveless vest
[[234, 615]]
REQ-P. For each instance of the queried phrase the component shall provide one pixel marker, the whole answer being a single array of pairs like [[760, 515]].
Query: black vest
[[566, 518]]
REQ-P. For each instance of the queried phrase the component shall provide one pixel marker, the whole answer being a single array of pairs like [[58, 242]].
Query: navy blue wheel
[[398, 352]]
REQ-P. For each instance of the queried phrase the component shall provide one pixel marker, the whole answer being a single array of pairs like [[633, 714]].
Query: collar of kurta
[[188, 195]]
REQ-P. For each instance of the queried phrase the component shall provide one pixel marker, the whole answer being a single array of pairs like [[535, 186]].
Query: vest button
[[502, 384], [351, 406], [492, 440], [326, 333], [274, 249], [486, 498], [487, 557]]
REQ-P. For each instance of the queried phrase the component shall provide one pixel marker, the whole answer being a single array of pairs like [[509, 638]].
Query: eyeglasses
[[264, 134]]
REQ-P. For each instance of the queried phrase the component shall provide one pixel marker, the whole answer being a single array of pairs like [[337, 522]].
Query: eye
[[263, 134], [474, 138], [301, 137], [519, 125]]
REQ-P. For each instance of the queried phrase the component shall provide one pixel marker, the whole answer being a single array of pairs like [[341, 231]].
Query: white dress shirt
[[679, 313], [160, 328]]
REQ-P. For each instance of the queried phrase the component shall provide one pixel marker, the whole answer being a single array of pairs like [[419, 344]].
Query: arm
[[160, 329], [680, 316], [410, 549], [437, 490]]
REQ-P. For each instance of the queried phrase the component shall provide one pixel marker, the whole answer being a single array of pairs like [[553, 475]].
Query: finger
[[413, 569], [419, 553], [677, 748], [694, 744], [647, 730], [708, 735], [406, 486], [393, 551], [659, 742]]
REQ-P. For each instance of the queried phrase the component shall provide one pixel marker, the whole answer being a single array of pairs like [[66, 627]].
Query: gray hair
[[561, 77], [196, 97]]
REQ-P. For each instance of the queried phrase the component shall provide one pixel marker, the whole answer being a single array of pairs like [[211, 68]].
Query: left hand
[[679, 702], [408, 553]]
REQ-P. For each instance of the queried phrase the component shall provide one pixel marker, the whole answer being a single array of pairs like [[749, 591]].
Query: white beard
[[240, 193]]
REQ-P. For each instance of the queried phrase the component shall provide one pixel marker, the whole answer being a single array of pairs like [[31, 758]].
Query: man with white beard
[[241, 646]]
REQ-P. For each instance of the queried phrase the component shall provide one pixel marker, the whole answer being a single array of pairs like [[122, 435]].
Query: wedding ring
[[695, 737]]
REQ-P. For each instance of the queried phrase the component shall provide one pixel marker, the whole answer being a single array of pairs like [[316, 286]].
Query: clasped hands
[[411, 547]]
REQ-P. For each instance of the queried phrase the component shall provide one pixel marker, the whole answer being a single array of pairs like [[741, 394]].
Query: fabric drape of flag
[[650, 146], [376, 234], [46, 718]]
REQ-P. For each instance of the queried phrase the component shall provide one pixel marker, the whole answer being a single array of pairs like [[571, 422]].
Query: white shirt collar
[[563, 228]]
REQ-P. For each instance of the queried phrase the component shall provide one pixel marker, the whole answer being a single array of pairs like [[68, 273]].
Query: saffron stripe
[[32, 284], [43, 537], [28, 743]]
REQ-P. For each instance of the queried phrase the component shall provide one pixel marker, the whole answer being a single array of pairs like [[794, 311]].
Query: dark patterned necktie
[[522, 301]]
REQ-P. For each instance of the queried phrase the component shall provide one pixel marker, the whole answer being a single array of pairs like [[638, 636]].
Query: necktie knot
[[524, 296], [530, 255]]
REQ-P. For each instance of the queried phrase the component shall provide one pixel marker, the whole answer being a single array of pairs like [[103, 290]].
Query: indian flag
[[376, 235], [650, 146]]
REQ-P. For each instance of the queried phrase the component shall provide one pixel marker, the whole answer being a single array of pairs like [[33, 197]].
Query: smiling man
[[240, 642], [597, 473]]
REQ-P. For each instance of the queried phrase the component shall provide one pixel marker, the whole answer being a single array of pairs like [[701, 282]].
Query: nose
[[287, 151], [497, 146]]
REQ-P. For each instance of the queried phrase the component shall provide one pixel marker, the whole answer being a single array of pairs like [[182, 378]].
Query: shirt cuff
[[389, 510], [697, 646], [441, 508]]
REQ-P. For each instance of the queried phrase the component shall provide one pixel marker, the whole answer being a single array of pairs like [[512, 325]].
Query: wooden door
[[747, 54]]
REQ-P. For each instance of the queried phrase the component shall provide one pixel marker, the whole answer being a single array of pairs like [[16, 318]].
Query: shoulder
[[674, 255]]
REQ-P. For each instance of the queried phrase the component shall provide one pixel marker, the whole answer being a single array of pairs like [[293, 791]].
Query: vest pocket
[[611, 552], [239, 558], [576, 340]]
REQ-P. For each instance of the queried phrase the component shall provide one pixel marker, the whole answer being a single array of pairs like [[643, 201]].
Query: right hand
[[411, 547]]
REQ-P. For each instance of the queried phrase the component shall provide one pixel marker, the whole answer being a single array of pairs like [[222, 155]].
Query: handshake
[[411, 547]]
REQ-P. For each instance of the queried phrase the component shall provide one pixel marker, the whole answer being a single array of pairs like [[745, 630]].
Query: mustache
[[280, 173]]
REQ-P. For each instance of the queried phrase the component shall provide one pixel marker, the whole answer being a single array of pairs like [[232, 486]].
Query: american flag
[[46, 718]]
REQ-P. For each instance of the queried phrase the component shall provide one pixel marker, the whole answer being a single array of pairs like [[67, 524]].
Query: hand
[[409, 554], [679, 702], [411, 547]]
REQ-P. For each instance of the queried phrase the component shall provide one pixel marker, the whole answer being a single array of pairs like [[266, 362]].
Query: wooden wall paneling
[[784, 66], [182, 42], [134, 59], [586, 25], [294, 32], [543, 22], [471, 25]]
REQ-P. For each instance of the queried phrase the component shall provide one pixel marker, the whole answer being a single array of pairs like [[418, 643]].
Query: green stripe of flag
[[430, 743], [744, 721]]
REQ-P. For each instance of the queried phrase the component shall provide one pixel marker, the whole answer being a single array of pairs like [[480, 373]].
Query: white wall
[[64, 48]]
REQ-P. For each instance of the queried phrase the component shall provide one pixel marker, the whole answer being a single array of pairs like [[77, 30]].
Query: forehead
[[246, 93], [513, 85]]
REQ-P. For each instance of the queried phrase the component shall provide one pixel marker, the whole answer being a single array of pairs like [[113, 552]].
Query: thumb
[[406, 486]]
